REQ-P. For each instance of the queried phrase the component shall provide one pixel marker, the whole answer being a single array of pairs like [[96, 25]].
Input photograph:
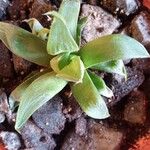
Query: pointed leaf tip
[[37, 93], [60, 39], [89, 99], [24, 44], [114, 66], [68, 67], [100, 85], [111, 47]]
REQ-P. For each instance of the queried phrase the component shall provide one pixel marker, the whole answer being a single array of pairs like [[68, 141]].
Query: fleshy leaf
[[73, 70], [17, 93], [65, 60], [60, 39], [24, 44], [89, 98], [111, 47], [81, 24], [37, 28], [38, 92], [3, 37], [43, 34], [71, 17], [114, 66], [60, 61], [99, 83], [35, 25]]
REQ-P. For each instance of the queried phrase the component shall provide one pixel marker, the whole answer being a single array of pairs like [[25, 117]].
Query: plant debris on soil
[[60, 124]]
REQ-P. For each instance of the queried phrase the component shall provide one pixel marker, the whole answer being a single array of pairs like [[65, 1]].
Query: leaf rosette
[[58, 49]]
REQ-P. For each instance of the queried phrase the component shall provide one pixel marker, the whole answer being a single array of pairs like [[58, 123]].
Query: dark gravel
[[50, 117], [60, 123]]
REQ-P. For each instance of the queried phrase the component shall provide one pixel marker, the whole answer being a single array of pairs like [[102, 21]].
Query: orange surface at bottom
[[146, 3], [142, 144]]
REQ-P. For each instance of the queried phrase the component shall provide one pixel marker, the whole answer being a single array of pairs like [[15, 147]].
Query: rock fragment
[[3, 6], [121, 7], [4, 106], [140, 29], [121, 89], [81, 125], [11, 140], [99, 22], [35, 138], [50, 117], [2, 117]]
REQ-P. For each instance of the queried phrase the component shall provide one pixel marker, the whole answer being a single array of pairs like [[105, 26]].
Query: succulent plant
[[59, 49]]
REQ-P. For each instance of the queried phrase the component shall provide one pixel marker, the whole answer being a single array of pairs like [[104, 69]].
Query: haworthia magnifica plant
[[58, 49]]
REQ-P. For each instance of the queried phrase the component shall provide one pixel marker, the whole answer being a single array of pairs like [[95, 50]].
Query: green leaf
[[37, 28], [111, 47], [81, 24], [100, 85], [69, 10], [38, 92], [14, 98], [64, 60], [43, 34], [35, 25], [24, 44], [17, 93], [3, 37], [89, 98], [70, 69], [60, 39], [60, 61], [114, 66]]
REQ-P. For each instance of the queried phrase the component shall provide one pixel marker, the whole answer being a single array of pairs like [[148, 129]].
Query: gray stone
[[99, 23], [4, 106], [5, 110], [2, 117], [35, 138], [50, 117], [140, 29], [120, 89], [3, 5], [81, 125], [121, 7], [11, 140]]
